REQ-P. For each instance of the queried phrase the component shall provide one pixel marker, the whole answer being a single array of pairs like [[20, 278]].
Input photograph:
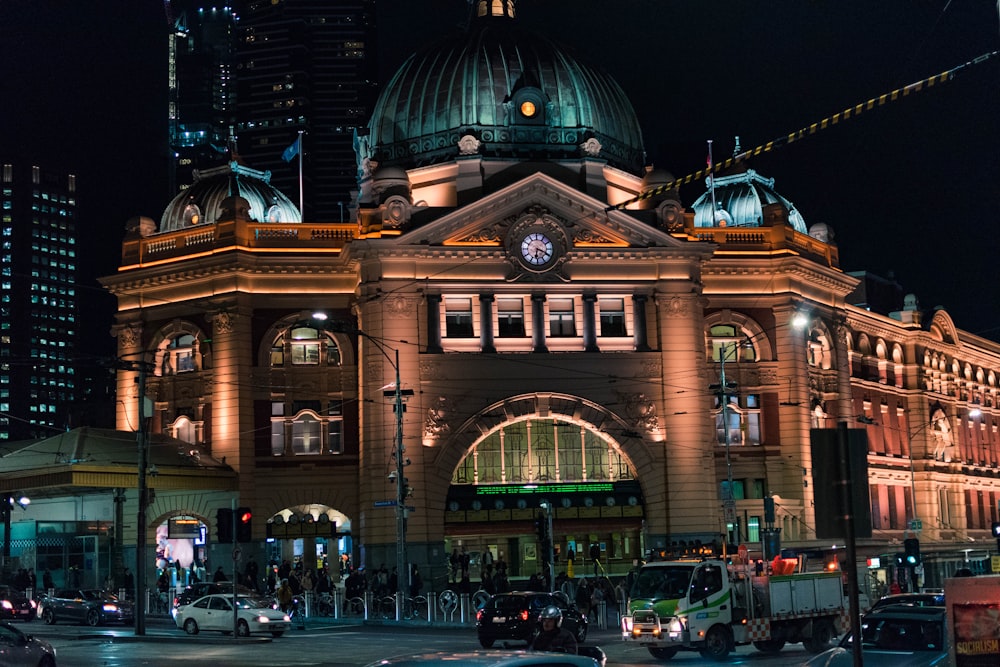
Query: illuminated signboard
[[183, 529], [581, 487]]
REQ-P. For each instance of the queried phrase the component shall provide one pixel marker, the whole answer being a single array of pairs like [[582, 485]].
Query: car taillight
[[479, 615], [524, 615], [176, 602]]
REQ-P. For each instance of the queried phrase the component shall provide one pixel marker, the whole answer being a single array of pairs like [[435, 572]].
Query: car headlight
[[263, 619], [287, 618]]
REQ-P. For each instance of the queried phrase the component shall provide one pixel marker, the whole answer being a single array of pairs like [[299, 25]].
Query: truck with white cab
[[712, 607]]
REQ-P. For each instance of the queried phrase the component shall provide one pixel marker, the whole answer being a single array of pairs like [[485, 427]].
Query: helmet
[[551, 611]]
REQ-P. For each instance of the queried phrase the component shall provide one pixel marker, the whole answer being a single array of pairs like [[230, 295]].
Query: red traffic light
[[245, 516]]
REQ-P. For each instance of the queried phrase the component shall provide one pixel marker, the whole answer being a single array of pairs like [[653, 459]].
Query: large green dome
[[483, 81]]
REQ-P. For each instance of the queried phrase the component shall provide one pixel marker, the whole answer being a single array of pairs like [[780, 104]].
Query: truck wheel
[[769, 645], [822, 637], [662, 653], [716, 644]]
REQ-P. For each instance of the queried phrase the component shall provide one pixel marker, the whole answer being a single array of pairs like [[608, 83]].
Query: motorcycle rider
[[553, 637]]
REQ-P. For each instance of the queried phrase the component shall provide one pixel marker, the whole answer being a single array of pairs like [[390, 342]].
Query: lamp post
[[547, 508], [142, 444], [6, 506], [402, 486], [724, 390]]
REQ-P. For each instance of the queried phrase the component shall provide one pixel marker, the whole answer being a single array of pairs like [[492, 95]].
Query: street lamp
[[7, 504], [402, 486], [724, 390], [143, 367]]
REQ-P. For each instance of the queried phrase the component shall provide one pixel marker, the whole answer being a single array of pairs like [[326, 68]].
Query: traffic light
[[996, 529], [224, 525], [244, 532], [899, 559], [541, 527], [911, 549]]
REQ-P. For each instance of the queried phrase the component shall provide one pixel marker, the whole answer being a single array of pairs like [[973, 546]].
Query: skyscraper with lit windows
[[261, 72], [38, 300]]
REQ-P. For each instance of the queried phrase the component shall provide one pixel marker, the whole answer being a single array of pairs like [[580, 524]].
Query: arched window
[[542, 450], [304, 345], [178, 353], [726, 339], [184, 429]]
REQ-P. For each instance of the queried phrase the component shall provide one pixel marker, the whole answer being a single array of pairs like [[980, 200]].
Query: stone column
[[486, 323], [434, 324], [693, 505], [639, 333], [538, 323], [589, 324]]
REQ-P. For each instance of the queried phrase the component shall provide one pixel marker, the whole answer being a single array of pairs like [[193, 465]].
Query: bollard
[[336, 603], [307, 597], [602, 615], [368, 603], [431, 603], [398, 599], [463, 608]]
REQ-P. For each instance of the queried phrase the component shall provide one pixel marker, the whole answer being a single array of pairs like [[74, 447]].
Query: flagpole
[[302, 213]]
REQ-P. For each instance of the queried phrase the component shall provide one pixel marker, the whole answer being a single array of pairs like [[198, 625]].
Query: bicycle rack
[[448, 603]]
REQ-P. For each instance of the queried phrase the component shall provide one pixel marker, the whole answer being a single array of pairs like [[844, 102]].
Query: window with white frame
[[741, 419], [458, 317], [177, 354], [183, 429], [307, 432], [612, 317], [562, 320], [510, 317]]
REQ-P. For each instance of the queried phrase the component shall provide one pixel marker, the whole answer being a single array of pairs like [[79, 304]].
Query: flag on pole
[[292, 150]]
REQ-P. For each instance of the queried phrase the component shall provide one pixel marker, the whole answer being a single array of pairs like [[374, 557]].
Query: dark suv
[[515, 616]]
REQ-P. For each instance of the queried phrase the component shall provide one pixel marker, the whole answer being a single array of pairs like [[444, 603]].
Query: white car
[[215, 612], [20, 650]]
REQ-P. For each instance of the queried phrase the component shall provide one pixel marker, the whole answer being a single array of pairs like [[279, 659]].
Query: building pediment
[[490, 221]]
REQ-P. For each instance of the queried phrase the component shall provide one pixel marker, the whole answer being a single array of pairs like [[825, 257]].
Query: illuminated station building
[[556, 319]]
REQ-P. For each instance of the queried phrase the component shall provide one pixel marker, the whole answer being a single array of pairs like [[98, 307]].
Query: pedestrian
[[219, 575], [284, 596], [129, 582]]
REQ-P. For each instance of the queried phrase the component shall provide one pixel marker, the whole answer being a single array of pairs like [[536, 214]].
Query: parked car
[[894, 636], [215, 612], [912, 599], [491, 659], [15, 605], [84, 605], [20, 650], [515, 616]]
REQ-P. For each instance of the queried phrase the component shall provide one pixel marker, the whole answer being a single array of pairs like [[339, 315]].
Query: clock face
[[536, 248]]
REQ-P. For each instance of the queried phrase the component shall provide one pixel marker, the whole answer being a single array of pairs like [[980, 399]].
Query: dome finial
[[494, 8]]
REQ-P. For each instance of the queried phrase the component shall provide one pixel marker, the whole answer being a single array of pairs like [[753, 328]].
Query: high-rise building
[[38, 300], [201, 94], [261, 72]]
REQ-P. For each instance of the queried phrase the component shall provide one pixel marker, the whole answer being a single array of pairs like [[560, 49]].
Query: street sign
[[385, 503], [742, 552], [916, 524], [995, 563], [730, 510]]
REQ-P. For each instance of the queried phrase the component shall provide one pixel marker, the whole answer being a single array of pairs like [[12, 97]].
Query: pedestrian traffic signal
[[541, 527], [996, 529], [899, 559], [244, 531], [224, 525], [911, 549]]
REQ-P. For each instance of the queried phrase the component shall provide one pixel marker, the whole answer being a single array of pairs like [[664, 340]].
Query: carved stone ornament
[[436, 423], [591, 147], [590, 236], [223, 322], [468, 145], [128, 335], [641, 411], [395, 212], [398, 305]]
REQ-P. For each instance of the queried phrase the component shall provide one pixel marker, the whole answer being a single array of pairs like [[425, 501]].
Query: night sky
[[912, 188]]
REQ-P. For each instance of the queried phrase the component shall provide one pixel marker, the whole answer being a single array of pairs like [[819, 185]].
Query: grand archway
[[545, 450]]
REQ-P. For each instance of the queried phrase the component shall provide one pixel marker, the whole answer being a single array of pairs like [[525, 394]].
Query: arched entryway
[[539, 450], [311, 536]]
